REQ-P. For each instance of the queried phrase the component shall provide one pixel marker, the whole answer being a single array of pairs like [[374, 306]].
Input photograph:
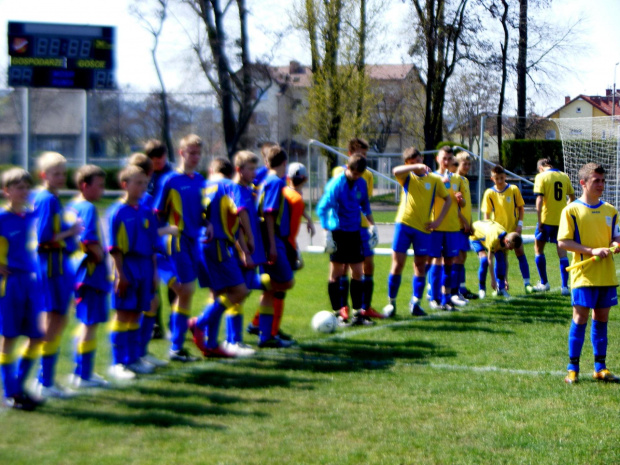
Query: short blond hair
[[190, 140], [49, 160], [243, 157], [128, 172], [15, 176], [463, 156], [142, 161]]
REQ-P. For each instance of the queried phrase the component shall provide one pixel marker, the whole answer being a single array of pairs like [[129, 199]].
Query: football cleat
[[359, 319], [275, 343], [372, 313], [606, 375], [120, 373], [435, 305], [238, 349], [152, 360], [51, 392], [565, 291], [457, 301], [181, 355], [529, 288], [572, 377], [501, 293], [252, 329], [448, 307], [284, 336], [343, 314], [217, 352], [390, 309], [95, 381], [20, 402], [482, 294], [540, 287], [198, 335], [469, 295], [141, 368], [416, 310]]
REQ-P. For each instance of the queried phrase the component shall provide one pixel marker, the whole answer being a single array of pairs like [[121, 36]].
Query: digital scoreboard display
[[61, 55]]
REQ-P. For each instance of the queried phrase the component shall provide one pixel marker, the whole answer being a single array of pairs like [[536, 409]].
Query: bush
[[522, 155], [451, 144]]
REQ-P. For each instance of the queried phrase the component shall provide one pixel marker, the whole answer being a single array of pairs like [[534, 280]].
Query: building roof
[[601, 102]]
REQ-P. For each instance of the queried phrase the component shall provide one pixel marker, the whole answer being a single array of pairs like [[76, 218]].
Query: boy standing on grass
[[344, 199], [56, 243], [551, 187], [489, 240], [504, 204], [588, 227], [414, 226], [91, 273], [132, 235], [179, 203], [20, 300]]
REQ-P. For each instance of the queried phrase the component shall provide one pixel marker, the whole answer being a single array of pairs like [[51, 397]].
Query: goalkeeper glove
[[330, 244], [373, 240]]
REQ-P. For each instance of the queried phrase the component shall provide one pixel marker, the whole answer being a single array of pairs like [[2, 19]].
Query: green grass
[[479, 386]]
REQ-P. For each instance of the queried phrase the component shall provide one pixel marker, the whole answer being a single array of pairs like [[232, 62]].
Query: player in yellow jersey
[[588, 227], [489, 240], [551, 187], [503, 203], [413, 226], [370, 239], [445, 238]]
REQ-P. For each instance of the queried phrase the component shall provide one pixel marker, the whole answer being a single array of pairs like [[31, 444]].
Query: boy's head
[[53, 169], [445, 157], [453, 166], [544, 163], [16, 184], [412, 156], [265, 148], [275, 157], [463, 160], [358, 145], [513, 241], [592, 179], [297, 173], [190, 149], [221, 166], [90, 180], [245, 165], [356, 165], [157, 152], [142, 161], [133, 180], [498, 175]]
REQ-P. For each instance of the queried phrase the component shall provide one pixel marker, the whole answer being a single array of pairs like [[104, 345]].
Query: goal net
[[586, 140]]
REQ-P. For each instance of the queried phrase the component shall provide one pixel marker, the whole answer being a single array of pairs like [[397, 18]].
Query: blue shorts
[[405, 236], [477, 246], [595, 297], [185, 259], [20, 305], [367, 251], [57, 289], [165, 269], [280, 271], [444, 244], [221, 263], [138, 296], [91, 305], [463, 242], [547, 233]]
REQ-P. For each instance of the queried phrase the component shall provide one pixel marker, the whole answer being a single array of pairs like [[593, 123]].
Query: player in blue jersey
[[157, 152], [132, 235], [56, 243], [20, 295], [345, 198], [220, 257], [92, 283], [179, 203], [262, 171]]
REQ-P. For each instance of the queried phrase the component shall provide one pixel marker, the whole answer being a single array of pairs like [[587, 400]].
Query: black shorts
[[348, 247]]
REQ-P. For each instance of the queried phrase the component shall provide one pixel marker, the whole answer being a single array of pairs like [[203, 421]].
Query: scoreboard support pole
[[25, 97], [83, 140]]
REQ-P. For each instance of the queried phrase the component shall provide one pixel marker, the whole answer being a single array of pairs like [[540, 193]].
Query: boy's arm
[[444, 211], [94, 251], [419, 169], [539, 205], [270, 222], [521, 210], [121, 283], [492, 270], [246, 236], [310, 223], [573, 246]]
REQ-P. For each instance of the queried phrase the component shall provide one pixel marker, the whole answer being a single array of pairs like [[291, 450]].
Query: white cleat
[[565, 291], [390, 309], [434, 305], [51, 392], [540, 287], [120, 373], [141, 368], [482, 294], [238, 349], [152, 360], [95, 381], [456, 300]]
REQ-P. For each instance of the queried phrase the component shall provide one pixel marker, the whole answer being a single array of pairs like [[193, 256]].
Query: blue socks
[[482, 273], [563, 264], [576, 336], [541, 264], [524, 267], [598, 334], [393, 285]]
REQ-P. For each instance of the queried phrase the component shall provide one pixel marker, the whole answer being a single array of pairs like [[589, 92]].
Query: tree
[[238, 83], [522, 71], [153, 22]]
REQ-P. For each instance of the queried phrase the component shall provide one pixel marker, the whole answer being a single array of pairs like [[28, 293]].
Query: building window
[[550, 134], [575, 132], [578, 109]]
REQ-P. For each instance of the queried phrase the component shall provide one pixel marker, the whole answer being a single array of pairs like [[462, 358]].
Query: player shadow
[[246, 379], [189, 408], [451, 322], [212, 397], [536, 308]]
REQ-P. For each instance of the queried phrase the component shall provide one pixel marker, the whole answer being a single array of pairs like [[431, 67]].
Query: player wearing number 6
[[551, 187], [588, 227]]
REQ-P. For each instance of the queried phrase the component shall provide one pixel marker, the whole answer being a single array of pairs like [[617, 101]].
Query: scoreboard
[[61, 55]]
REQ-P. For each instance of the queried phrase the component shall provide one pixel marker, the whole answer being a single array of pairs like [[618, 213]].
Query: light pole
[[613, 96]]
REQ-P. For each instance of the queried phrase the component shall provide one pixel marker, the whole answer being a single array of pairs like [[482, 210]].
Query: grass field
[[479, 386]]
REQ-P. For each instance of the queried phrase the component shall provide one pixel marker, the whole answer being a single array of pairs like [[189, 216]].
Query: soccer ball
[[324, 322]]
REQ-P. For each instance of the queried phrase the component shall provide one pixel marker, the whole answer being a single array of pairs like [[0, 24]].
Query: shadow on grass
[[536, 308], [186, 408], [452, 322], [241, 379]]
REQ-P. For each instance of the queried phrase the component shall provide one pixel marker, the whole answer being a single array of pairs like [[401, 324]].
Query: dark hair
[[497, 169], [87, 174], [356, 144], [141, 161], [586, 170], [222, 166], [275, 156], [544, 162], [357, 163], [411, 152], [155, 148], [447, 149]]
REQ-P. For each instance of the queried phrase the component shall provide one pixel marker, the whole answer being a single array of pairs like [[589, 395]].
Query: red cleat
[[371, 313], [198, 334], [217, 352], [343, 314]]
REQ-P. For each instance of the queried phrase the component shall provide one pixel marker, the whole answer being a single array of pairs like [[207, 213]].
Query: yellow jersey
[[370, 183], [503, 206], [466, 210], [489, 233], [554, 186], [593, 226], [417, 199], [451, 221]]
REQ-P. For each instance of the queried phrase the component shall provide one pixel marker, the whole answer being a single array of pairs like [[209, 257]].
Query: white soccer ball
[[324, 322]]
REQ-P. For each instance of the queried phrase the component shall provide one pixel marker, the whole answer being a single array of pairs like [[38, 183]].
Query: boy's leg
[[600, 317], [54, 327], [576, 337], [394, 280], [85, 347], [500, 270], [7, 367], [564, 262], [180, 314], [524, 268]]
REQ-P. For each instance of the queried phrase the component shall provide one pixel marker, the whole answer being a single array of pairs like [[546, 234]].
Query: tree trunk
[[522, 72], [502, 90]]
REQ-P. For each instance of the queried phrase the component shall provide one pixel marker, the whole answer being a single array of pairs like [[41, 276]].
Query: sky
[[591, 64]]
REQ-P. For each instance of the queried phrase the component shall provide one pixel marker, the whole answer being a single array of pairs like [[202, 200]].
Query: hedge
[[522, 155]]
